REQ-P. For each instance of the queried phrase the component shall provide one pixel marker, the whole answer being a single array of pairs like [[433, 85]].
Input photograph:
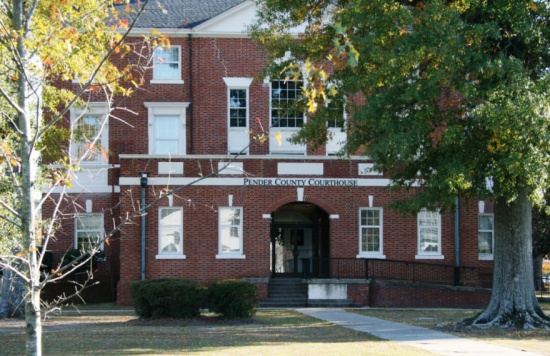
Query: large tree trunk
[[513, 301]]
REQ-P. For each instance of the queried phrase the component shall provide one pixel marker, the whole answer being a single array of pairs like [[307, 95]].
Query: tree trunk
[[513, 302]]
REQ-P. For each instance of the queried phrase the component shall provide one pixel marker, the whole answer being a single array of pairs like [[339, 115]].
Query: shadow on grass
[[269, 332]]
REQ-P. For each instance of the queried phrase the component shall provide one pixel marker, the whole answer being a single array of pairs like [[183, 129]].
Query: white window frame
[[232, 254], [99, 230], [238, 138], [167, 109], [430, 254], [176, 80], [97, 109], [179, 227], [371, 254], [284, 133], [487, 256], [337, 135]]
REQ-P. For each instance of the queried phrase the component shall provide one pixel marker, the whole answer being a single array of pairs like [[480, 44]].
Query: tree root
[[521, 320]]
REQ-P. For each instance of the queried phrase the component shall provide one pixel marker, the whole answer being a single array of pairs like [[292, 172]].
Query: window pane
[[170, 217], [230, 239], [485, 222], [485, 241], [284, 99], [170, 240], [167, 134], [230, 216], [166, 127], [429, 240], [87, 132], [88, 222], [166, 63]]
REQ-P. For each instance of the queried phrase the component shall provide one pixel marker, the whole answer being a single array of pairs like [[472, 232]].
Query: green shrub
[[167, 297], [233, 298]]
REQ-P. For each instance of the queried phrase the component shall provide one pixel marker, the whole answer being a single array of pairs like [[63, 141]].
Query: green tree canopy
[[452, 96]]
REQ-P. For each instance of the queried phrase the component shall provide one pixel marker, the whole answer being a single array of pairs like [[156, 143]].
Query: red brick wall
[[408, 296]]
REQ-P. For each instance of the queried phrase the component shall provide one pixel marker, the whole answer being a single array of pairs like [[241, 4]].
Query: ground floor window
[[485, 236], [89, 231], [370, 232], [230, 227], [429, 235], [170, 232]]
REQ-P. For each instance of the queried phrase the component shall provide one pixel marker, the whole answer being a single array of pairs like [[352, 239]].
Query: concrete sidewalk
[[427, 339]]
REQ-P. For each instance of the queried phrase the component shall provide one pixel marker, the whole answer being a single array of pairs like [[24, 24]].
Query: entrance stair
[[285, 293], [292, 293]]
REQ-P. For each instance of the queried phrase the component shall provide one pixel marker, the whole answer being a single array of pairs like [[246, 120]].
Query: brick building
[[274, 210]]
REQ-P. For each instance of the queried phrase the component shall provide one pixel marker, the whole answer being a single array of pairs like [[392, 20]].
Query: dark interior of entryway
[[299, 240]]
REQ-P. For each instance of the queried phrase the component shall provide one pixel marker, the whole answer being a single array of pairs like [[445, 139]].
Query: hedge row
[[184, 298]]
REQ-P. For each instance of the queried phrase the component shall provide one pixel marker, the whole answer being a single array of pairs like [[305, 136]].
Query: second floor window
[[485, 235], [167, 63], [167, 135], [238, 108], [284, 103]]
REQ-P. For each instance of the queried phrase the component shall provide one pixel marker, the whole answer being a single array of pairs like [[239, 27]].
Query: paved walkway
[[427, 339]]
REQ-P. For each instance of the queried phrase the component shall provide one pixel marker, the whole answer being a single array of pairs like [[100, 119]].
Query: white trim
[[238, 82], [170, 168], [266, 216], [231, 254], [292, 168], [367, 169], [429, 255], [178, 109], [380, 252], [166, 81], [371, 256], [230, 168], [239, 181], [170, 257], [334, 216], [170, 254], [485, 257], [101, 228], [177, 80], [228, 256]]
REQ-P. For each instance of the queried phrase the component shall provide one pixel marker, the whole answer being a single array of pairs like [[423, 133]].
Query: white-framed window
[[485, 235], [284, 99], [230, 232], [167, 65], [170, 232], [286, 116], [335, 127], [89, 231], [90, 134], [238, 109], [167, 128], [371, 241], [429, 235]]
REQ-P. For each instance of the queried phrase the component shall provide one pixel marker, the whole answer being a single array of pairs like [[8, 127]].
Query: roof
[[181, 13]]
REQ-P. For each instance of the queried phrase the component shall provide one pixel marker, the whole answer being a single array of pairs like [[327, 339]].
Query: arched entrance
[[299, 240]]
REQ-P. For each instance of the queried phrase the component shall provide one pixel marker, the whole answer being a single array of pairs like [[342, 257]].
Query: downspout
[[191, 142], [457, 241], [143, 182]]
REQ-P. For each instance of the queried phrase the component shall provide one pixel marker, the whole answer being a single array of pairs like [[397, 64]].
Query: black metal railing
[[542, 287], [409, 271]]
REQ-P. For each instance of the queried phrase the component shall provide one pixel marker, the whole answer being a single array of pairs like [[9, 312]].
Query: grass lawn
[[443, 320], [270, 332]]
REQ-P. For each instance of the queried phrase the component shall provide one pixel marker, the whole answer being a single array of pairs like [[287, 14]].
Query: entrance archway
[[299, 240]]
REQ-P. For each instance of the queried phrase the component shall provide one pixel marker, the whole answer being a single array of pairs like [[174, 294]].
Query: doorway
[[299, 240]]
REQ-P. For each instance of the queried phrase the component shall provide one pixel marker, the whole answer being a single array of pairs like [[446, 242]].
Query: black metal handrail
[[542, 286], [410, 271]]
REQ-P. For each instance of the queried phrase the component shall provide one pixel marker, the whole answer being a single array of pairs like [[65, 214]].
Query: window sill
[[485, 257], [429, 257], [170, 257], [166, 81], [374, 256], [227, 256]]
